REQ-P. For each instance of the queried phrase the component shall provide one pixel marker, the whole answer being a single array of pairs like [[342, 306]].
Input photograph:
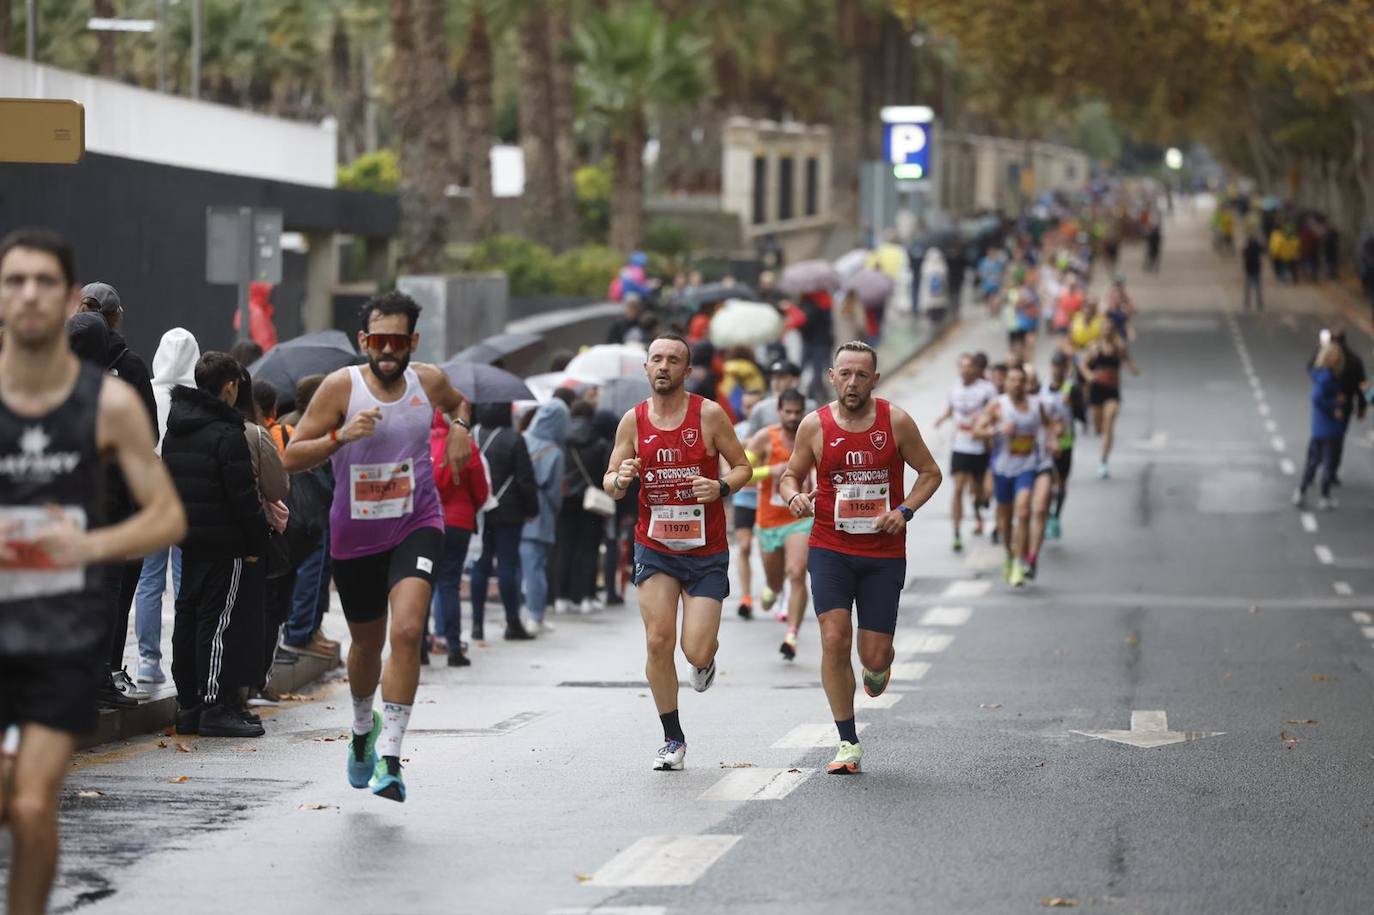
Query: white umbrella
[[608, 360], [543, 385], [852, 262], [741, 323]]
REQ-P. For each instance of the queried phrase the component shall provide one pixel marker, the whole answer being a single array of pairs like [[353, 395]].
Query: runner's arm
[[717, 425], [757, 450], [945, 416], [918, 457], [312, 444], [1130, 363], [803, 460], [446, 397], [623, 458], [160, 520], [986, 425]]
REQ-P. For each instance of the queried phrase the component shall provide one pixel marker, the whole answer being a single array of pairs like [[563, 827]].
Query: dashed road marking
[[1288, 467], [1278, 443], [1270, 426], [1344, 590], [810, 736], [1368, 631], [948, 616], [1324, 554], [910, 670], [1264, 409], [663, 861], [756, 784], [967, 588], [1309, 522], [613, 910], [1361, 616], [865, 702], [921, 642]]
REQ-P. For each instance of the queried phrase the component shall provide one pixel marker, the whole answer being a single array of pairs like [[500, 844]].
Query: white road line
[[663, 861], [810, 736], [967, 588], [910, 670], [1323, 554], [1361, 616], [1259, 395], [1278, 443], [1309, 522], [1270, 426], [1344, 590], [948, 616], [1264, 409], [1368, 631], [921, 642], [756, 784], [1288, 467], [864, 702], [613, 910]]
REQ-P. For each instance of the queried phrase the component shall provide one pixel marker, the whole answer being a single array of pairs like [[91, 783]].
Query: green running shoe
[[360, 767], [958, 544], [1017, 579], [386, 779], [847, 759], [1006, 569], [875, 682]]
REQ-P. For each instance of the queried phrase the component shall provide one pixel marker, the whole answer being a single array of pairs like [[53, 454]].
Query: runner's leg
[[31, 808], [744, 539], [875, 650], [1040, 513], [1095, 412], [700, 630], [1110, 410], [961, 481], [658, 600], [1021, 528], [409, 604], [794, 552], [774, 570], [837, 665]]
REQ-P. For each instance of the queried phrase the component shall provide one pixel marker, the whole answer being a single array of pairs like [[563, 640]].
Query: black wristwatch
[[724, 490], [907, 513]]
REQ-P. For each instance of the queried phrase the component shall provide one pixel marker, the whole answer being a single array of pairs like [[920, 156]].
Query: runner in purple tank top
[[386, 524]]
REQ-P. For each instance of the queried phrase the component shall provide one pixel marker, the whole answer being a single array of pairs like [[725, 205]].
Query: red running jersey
[[670, 518], [861, 476]]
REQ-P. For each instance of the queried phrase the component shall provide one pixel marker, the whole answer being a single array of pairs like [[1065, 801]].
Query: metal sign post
[[242, 247]]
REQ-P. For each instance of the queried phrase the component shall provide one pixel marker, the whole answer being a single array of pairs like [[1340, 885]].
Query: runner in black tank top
[[58, 419]]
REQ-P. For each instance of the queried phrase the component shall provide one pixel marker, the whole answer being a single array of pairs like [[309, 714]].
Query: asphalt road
[[1186, 585]]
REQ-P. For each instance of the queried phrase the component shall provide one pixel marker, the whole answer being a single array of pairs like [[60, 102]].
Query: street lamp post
[[195, 48], [31, 30]]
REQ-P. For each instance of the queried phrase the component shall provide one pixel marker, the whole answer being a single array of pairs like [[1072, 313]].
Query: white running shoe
[[1299, 498], [125, 684], [703, 677], [671, 757], [563, 605], [591, 605], [1326, 503], [542, 626]]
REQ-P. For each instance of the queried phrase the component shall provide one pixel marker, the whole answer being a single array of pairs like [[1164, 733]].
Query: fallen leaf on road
[[990, 705], [582, 878], [1301, 721], [1226, 676], [1132, 640], [292, 697], [1318, 678], [1040, 765], [1288, 742], [1058, 902], [324, 739], [179, 779], [162, 744], [182, 748], [793, 770], [737, 765], [90, 793], [315, 807]]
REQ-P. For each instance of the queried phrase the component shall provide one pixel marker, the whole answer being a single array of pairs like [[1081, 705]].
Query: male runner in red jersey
[[860, 446], [673, 442]]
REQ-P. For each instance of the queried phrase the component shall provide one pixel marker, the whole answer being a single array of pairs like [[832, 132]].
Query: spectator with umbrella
[[580, 530], [548, 431], [514, 501], [463, 494]]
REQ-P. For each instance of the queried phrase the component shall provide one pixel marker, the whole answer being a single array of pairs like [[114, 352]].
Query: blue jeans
[[152, 583], [309, 598], [448, 585], [534, 564], [500, 547]]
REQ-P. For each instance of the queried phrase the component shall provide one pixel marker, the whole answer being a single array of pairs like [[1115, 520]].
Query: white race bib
[[678, 527], [31, 573], [859, 506], [381, 490]]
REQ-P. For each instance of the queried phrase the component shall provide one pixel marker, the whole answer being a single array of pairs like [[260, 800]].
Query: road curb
[[160, 711]]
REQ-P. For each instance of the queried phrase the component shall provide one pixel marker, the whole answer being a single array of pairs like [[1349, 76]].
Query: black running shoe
[[518, 634], [188, 719], [458, 659], [224, 721], [111, 697]]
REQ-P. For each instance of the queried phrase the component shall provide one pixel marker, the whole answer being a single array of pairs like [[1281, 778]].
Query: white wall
[[152, 126]]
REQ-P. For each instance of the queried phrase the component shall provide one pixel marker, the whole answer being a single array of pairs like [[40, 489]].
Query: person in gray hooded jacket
[[545, 439]]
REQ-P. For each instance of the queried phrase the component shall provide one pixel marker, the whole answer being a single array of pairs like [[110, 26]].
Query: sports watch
[[907, 513]]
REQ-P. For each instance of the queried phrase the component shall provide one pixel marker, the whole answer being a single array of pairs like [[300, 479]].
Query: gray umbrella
[[513, 352], [621, 395], [485, 383], [711, 293], [310, 354], [809, 276], [871, 286]]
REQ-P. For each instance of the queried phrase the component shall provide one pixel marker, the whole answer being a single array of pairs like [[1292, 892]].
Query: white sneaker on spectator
[[591, 605], [127, 686], [541, 626], [562, 605], [150, 671]]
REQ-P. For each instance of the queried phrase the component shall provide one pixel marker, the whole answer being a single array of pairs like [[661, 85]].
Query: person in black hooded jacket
[[214, 640], [580, 532], [512, 487]]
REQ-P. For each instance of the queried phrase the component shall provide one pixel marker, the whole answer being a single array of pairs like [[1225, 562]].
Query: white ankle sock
[[395, 718], [362, 713]]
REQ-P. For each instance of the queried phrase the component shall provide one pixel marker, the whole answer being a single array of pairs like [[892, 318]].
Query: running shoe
[[362, 753], [875, 682], [1326, 503], [1052, 529], [703, 677], [746, 609], [1102, 471], [994, 538], [978, 527], [1006, 569], [770, 597], [671, 757], [1017, 579], [126, 685], [847, 759], [1299, 498], [780, 614], [386, 779], [958, 544], [1030, 568], [789, 646]]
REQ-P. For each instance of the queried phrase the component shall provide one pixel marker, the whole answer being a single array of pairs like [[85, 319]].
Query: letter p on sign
[[904, 142]]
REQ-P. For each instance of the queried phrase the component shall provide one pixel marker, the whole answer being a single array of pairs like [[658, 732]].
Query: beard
[[665, 384], [387, 377], [855, 402]]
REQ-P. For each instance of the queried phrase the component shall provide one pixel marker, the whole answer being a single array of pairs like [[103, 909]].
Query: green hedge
[[535, 270]]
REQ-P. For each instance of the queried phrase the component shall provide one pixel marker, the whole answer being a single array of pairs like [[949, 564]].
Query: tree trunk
[[345, 94], [423, 152], [477, 71], [562, 76], [539, 202], [627, 184], [104, 63], [1362, 157], [6, 26]]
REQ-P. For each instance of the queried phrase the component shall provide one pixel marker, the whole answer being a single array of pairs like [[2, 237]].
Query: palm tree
[[563, 100], [539, 203], [478, 77], [633, 59]]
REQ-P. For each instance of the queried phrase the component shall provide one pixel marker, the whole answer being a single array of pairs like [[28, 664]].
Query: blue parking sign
[[907, 149]]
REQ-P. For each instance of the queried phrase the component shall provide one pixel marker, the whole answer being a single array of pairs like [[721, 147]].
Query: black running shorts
[[364, 584], [871, 585], [975, 465], [59, 693]]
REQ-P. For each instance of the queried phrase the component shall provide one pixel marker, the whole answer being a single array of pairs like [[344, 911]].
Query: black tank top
[[52, 460]]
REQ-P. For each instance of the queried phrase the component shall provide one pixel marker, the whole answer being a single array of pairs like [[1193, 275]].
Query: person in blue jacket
[[1328, 420]]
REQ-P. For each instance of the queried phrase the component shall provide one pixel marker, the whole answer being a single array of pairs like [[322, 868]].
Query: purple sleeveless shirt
[[384, 484]]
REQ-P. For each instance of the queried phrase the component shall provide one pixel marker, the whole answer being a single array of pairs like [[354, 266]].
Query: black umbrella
[[486, 383], [513, 352], [711, 293], [310, 354]]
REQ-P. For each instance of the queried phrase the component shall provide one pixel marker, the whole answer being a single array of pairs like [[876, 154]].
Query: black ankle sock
[[672, 728], [847, 730], [359, 746], [393, 764]]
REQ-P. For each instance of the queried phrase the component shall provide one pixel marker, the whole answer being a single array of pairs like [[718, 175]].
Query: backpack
[[312, 492]]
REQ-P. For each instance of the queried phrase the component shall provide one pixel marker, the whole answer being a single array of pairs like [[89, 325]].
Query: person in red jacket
[[463, 497]]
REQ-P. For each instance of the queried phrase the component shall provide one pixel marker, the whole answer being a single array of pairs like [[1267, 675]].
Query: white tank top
[[1020, 451]]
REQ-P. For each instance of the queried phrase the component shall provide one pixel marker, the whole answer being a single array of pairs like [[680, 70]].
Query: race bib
[[1021, 445], [31, 572], [775, 495], [678, 527], [858, 507], [381, 490]]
